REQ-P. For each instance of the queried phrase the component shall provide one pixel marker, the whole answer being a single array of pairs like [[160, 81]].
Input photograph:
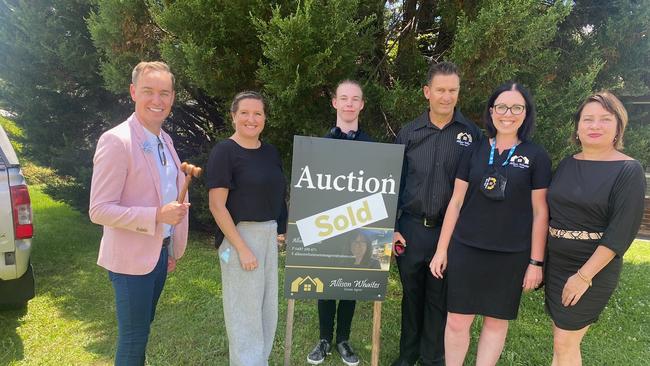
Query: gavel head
[[187, 168], [191, 170]]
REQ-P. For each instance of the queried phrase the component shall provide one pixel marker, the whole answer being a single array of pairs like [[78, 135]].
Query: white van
[[16, 230]]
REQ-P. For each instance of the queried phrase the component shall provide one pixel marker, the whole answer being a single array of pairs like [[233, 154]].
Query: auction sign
[[341, 218]]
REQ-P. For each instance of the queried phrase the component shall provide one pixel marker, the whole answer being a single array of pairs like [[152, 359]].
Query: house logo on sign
[[341, 219], [307, 284]]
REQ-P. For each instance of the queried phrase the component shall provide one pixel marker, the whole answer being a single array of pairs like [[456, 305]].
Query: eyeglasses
[[161, 152], [503, 109]]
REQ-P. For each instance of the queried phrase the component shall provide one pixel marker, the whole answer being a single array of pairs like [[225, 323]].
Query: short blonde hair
[[612, 105], [144, 66]]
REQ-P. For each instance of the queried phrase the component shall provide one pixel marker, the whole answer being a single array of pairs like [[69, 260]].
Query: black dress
[[598, 197], [490, 248]]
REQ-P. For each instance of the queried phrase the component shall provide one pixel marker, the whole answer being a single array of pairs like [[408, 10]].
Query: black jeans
[[424, 297], [327, 310]]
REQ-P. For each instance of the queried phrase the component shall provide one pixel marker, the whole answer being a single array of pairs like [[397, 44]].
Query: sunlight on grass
[[639, 252], [72, 320]]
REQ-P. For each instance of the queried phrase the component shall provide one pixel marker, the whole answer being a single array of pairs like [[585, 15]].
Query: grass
[[72, 321]]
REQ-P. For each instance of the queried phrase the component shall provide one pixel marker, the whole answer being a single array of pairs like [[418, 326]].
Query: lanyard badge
[[493, 183]]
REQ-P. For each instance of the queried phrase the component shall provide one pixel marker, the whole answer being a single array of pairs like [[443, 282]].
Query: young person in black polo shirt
[[495, 243], [348, 102], [434, 143]]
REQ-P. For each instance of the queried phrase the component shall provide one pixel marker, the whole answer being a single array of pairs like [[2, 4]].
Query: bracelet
[[584, 278], [536, 263]]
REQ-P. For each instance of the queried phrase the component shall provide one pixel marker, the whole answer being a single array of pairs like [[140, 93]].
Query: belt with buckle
[[425, 221], [574, 234], [166, 242]]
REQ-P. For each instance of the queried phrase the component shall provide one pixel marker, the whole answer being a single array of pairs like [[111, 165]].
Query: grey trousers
[[250, 298]]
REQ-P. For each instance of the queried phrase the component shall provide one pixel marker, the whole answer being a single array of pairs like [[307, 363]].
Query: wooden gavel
[[190, 171]]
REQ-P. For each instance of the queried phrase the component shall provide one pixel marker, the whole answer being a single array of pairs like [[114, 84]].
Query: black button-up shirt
[[431, 158]]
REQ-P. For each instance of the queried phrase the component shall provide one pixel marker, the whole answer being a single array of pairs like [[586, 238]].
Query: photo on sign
[[366, 248]]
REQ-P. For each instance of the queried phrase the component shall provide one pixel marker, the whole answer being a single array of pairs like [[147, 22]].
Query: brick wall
[[644, 231]]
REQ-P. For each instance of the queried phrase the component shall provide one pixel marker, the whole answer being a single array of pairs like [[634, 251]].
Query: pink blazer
[[124, 195]]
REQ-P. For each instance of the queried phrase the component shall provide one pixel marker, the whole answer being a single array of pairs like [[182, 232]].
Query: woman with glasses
[[494, 233], [246, 191], [596, 205]]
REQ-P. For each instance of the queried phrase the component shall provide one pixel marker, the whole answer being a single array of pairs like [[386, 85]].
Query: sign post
[[288, 339], [376, 333], [340, 232]]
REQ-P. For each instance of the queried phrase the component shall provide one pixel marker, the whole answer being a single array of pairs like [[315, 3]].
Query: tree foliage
[[51, 81], [305, 54], [65, 65], [512, 40]]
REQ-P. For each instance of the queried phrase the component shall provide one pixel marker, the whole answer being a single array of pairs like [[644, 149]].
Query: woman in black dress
[[499, 219], [596, 205]]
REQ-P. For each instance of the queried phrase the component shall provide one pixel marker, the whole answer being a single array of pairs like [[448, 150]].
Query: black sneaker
[[318, 354], [347, 354]]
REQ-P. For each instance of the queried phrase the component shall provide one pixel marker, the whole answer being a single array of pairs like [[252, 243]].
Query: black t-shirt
[[255, 182], [599, 196], [503, 226]]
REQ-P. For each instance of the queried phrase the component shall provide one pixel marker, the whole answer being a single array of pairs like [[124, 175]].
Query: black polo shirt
[[504, 226], [431, 158]]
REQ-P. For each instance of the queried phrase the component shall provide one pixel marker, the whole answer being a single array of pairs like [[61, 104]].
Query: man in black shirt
[[434, 143], [348, 102]]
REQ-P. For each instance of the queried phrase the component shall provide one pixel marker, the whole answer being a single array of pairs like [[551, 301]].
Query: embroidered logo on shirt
[[464, 139], [520, 161]]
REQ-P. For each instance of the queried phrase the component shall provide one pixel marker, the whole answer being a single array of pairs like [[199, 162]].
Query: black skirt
[[565, 257], [485, 282]]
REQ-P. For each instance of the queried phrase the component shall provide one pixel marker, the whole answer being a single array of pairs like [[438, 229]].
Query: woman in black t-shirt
[[499, 218], [247, 188], [596, 206]]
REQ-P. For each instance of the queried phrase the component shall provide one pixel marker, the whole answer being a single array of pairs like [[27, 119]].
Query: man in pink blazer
[[136, 179]]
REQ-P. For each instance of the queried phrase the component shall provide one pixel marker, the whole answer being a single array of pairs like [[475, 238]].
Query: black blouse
[[255, 181], [599, 196], [504, 226]]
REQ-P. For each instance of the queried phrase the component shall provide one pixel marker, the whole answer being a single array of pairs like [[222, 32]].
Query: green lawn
[[72, 320]]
